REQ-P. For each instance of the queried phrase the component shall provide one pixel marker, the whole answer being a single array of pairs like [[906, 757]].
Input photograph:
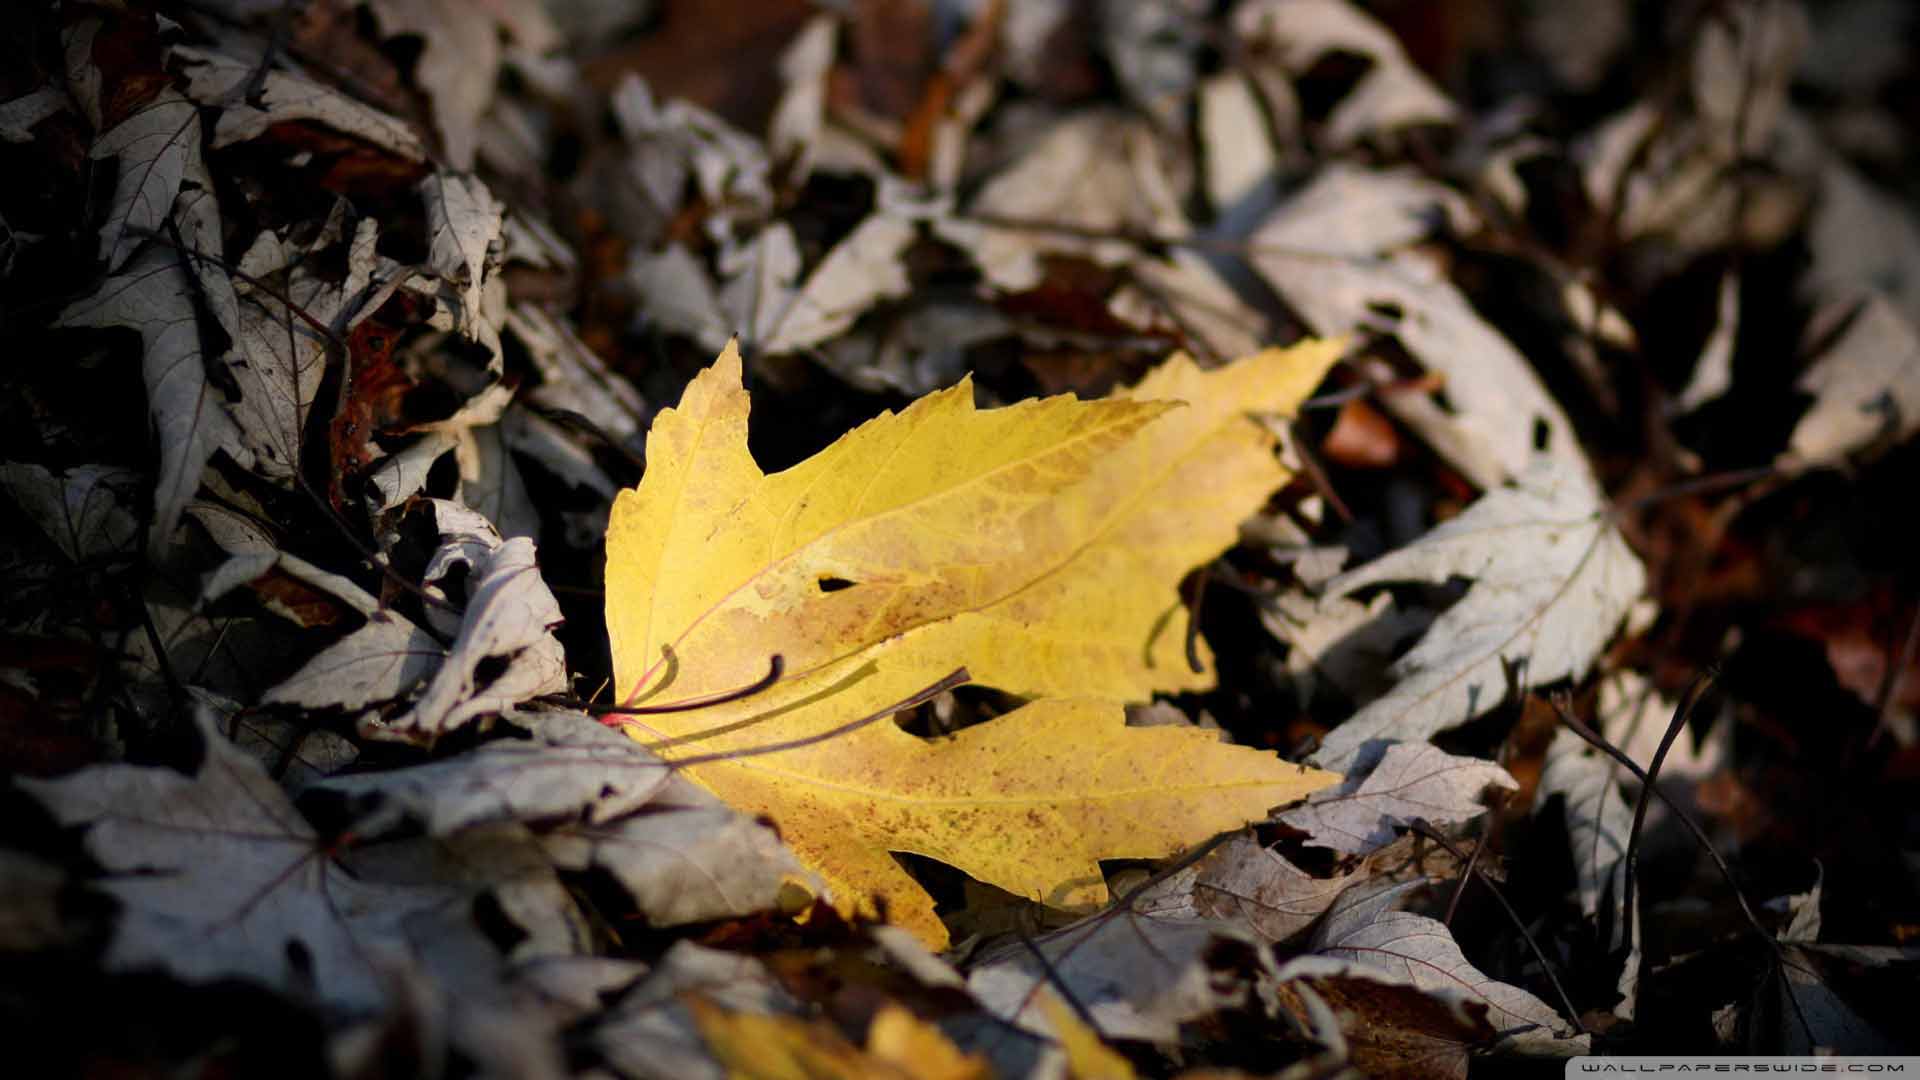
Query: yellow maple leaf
[[764, 1046], [920, 1049], [1038, 545], [1088, 1058]]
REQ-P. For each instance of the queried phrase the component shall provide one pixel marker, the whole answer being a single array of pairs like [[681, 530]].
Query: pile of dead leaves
[[418, 662]]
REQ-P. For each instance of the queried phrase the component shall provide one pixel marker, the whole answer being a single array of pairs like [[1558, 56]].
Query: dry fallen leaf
[[1039, 546], [1087, 1057], [916, 1047], [1139, 979], [157, 294], [1248, 885], [776, 1047], [1362, 935], [1552, 581], [219, 877], [1866, 387], [1404, 782], [650, 1031]]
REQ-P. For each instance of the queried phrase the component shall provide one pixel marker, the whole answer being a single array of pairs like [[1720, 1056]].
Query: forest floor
[[570, 539]]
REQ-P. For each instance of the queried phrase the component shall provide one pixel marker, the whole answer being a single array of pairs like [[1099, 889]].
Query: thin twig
[[1681, 716], [1460, 890], [1421, 826], [1599, 742], [1059, 982]]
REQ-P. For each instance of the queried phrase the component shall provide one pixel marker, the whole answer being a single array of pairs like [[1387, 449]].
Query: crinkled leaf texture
[[1137, 978], [1363, 936], [1552, 578], [1406, 782], [1248, 885], [218, 876], [1040, 546], [157, 294]]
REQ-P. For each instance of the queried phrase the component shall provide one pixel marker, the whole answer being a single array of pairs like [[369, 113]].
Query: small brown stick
[[1681, 715], [1421, 826], [1647, 789], [1466, 875], [1317, 473], [1059, 983]]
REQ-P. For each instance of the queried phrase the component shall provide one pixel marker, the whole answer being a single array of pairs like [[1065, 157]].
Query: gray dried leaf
[[1413, 950], [570, 768], [1866, 388], [862, 270], [669, 144], [84, 510], [18, 117], [1346, 210], [158, 295], [1238, 150], [1498, 415], [1154, 48], [383, 661], [1392, 95], [1407, 782], [1340, 640], [1249, 886], [1599, 824], [458, 66], [1597, 815], [1634, 715], [1184, 297], [295, 752], [1713, 373], [573, 379], [797, 120], [464, 223], [1552, 580], [758, 280], [247, 111], [650, 1034], [252, 552], [687, 858], [219, 877], [507, 629], [1092, 173], [677, 294], [1140, 978], [158, 148]]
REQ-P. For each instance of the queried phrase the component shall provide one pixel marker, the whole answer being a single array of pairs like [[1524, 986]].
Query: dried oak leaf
[[1040, 546]]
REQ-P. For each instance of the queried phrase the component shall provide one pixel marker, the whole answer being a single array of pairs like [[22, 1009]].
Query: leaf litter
[[384, 657]]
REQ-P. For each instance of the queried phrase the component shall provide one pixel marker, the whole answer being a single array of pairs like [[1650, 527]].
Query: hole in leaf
[[489, 669], [493, 921], [834, 584], [300, 961], [1331, 78]]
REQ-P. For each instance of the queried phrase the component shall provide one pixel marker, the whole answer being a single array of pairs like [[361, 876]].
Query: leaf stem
[[957, 677], [775, 669]]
